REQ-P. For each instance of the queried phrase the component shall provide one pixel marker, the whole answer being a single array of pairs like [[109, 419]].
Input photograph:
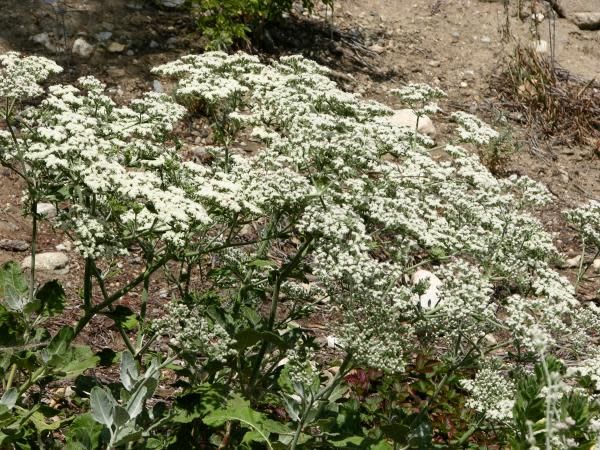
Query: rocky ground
[[372, 46]]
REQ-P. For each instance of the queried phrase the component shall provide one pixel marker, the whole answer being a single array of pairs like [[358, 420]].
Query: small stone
[[157, 87], [434, 63], [464, 84], [408, 119], [596, 265], [104, 36], [82, 48], [49, 262], [587, 20], [130, 53], [154, 44], [571, 263], [486, 39], [13, 245], [115, 47], [44, 39], [455, 36], [201, 155], [47, 210], [172, 3], [172, 41], [64, 246], [379, 49], [538, 17], [564, 176], [469, 74]]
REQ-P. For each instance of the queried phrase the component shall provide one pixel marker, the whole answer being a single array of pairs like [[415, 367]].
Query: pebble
[[43, 39], [64, 246], [434, 63], [172, 3], [47, 210], [103, 36], [571, 263], [379, 49], [455, 36], [486, 39], [596, 265], [13, 245], [587, 20], [49, 262], [464, 84], [408, 119], [115, 47], [154, 44], [82, 48]]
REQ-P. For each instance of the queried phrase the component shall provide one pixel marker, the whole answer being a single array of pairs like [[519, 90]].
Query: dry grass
[[562, 107]]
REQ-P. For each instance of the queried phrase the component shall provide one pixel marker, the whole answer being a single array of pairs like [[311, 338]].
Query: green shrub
[[225, 22]]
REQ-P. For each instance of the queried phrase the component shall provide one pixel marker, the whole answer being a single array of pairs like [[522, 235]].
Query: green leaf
[[135, 405], [41, 425], [83, 434], [262, 263], [102, 403], [129, 370], [51, 297], [9, 398], [249, 337], [203, 400], [124, 316], [77, 360], [59, 343], [239, 410], [13, 287]]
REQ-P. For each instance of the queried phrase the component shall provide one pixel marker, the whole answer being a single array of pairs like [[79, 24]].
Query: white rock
[[103, 36], [538, 17], [44, 39], [47, 210], [408, 119], [51, 262], [486, 39], [172, 3], [587, 20], [571, 263], [430, 298], [82, 48], [596, 265], [115, 47]]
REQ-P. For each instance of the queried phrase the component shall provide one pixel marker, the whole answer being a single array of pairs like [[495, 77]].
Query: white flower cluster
[[20, 76], [492, 394], [473, 130], [587, 221], [418, 96], [188, 330], [378, 205], [372, 201]]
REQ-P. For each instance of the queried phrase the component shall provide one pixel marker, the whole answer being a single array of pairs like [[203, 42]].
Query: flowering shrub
[[337, 208]]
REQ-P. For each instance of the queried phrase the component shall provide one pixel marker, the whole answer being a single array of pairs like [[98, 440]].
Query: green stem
[[33, 246], [11, 376], [279, 279]]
